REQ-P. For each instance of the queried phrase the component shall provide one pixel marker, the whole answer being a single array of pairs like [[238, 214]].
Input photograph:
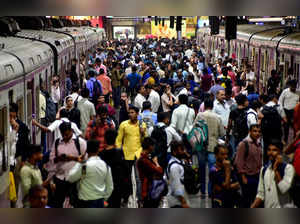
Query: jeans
[[60, 194], [116, 96], [201, 156], [211, 160], [99, 203]]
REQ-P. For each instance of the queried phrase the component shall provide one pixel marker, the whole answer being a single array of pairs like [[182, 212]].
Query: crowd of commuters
[[147, 117]]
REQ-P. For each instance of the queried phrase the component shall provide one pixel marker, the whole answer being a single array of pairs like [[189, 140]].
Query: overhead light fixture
[[271, 19]]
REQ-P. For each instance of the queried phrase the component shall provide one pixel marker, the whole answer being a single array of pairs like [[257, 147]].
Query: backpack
[[161, 146], [240, 129], [97, 91], [77, 144], [271, 121], [50, 108], [198, 136], [147, 119], [191, 180]]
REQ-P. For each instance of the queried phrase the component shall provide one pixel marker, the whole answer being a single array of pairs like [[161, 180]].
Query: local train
[[266, 47], [29, 57]]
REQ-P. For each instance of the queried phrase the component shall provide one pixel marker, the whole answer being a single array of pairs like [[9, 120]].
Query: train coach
[[30, 56], [266, 48]]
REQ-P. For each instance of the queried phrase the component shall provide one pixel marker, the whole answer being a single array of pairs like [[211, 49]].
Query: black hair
[[65, 126], [13, 107], [254, 126], [162, 116], [264, 98], [101, 71], [218, 147], [91, 73], [208, 103], [255, 105], [92, 146], [110, 136], [293, 83], [138, 87], [183, 99], [277, 143], [32, 149], [133, 68], [63, 113], [75, 88], [35, 189], [85, 92], [273, 96], [98, 60], [250, 89], [228, 92], [148, 142], [175, 145], [204, 71], [102, 110], [148, 86], [146, 105], [134, 108], [68, 97], [241, 99]]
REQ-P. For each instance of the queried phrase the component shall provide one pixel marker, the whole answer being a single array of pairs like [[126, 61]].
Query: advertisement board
[[123, 32], [165, 31]]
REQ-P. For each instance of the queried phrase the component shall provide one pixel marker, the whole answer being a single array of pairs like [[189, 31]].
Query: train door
[[3, 142], [29, 100]]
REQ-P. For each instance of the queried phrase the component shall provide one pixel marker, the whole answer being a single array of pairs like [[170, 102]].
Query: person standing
[[288, 101], [140, 97], [134, 79], [106, 85], [55, 91], [216, 131], [224, 181], [114, 158], [248, 162], [96, 128], [275, 180], [86, 108], [63, 155], [177, 196], [95, 180], [183, 116], [221, 108], [30, 173], [116, 78], [153, 97], [130, 136], [149, 170]]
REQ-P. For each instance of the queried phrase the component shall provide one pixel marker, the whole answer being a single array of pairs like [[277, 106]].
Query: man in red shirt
[[97, 127], [106, 84]]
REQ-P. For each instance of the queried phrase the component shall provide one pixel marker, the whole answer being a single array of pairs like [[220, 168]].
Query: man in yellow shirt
[[130, 137]]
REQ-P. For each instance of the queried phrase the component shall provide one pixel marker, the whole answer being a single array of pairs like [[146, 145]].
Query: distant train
[[28, 57], [266, 48]]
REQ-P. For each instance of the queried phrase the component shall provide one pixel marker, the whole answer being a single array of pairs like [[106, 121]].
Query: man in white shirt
[[54, 126], [288, 101], [75, 94], [221, 107], [140, 97], [177, 196], [154, 98], [183, 116], [95, 179], [275, 180]]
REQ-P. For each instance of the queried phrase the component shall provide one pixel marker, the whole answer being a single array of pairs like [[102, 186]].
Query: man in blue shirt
[[134, 79], [90, 82]]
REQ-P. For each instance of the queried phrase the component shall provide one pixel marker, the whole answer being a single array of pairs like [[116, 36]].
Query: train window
[[31, 61], [51, 70], [282, 57], [21, 109], [11, 96], [9, 70]]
